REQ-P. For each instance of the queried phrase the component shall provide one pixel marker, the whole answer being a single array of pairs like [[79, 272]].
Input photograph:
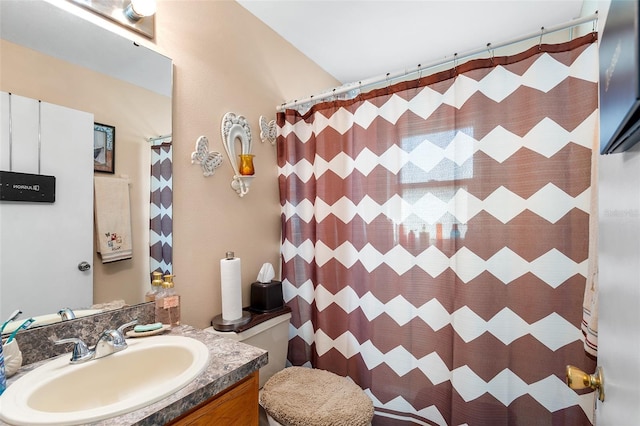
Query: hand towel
[[589, 324], [112, 218], [590, 316]]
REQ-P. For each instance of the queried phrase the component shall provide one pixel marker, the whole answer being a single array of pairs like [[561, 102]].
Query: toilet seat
[[299, 396]]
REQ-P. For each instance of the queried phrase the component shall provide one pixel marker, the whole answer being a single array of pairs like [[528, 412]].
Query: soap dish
[[164, 328]]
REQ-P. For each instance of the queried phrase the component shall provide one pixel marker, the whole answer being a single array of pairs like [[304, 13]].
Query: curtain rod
[[156, 138], [401, 74]]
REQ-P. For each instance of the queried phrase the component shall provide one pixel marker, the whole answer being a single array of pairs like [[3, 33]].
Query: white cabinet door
[[42, 244]]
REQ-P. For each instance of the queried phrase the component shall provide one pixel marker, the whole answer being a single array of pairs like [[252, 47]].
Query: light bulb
[[138, 9], [144, 7]]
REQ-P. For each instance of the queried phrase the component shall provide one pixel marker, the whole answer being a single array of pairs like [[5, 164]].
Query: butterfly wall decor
[[268, 130], [208, 160]]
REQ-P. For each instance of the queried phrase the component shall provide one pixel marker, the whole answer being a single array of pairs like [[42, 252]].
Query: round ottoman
[[299, 396]]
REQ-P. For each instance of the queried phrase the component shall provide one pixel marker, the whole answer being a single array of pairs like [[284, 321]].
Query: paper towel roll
[[231, 288]]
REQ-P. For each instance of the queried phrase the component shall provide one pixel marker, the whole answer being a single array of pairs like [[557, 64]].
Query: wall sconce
[[136, 15], [235, 128]]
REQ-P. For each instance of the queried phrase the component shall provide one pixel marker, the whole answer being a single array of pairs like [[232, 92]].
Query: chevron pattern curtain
[[161, 207], [435, 239]]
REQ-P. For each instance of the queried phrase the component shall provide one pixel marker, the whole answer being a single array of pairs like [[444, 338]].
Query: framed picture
[[104, 148]]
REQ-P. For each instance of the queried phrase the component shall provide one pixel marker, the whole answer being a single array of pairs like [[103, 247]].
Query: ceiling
[[356, 40]]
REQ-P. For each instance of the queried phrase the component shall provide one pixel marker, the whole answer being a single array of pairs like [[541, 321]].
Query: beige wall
[[225, 60], [136, 114]]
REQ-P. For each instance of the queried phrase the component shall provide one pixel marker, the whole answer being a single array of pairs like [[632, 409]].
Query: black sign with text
[[28, 187]]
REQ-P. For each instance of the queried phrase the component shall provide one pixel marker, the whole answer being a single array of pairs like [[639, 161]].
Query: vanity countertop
[[229, 362]]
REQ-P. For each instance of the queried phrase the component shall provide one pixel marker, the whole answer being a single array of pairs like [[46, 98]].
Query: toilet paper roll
[[231, 288]]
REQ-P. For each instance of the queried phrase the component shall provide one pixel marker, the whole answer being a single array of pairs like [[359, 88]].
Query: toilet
[[299, 395], [271, 335]]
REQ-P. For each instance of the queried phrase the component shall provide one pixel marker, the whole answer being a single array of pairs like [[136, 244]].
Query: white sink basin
[[58, 393]]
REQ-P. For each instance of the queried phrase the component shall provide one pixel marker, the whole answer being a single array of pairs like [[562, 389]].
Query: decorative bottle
[[168, 303], [156, 286], [455, 232], [423, 238]]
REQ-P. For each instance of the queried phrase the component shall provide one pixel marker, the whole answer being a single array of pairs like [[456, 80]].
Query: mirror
[[61, 58]]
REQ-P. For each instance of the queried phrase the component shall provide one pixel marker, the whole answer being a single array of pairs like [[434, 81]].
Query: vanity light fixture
[[136, 15]]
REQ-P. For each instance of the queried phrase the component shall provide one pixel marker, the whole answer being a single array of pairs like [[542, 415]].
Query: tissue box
[[266, 297]]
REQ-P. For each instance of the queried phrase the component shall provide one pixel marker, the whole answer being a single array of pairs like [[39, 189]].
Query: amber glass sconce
[[246, 165]]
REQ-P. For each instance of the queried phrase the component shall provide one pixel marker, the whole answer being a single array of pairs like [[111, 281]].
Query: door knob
[[84, 266], [578, 379]]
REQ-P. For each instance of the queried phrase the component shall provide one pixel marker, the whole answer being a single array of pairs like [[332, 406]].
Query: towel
[[112, 219], [589, 324], [590, 316]]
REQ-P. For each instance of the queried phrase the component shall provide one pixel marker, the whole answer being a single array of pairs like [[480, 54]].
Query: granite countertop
[[229, 362]]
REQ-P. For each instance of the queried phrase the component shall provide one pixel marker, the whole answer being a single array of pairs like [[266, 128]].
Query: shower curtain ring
[[491, 52], [541, 34], [455, 64], [419, 73]]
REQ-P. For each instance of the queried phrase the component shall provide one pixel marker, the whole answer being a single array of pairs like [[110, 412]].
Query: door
[[42, 244], [619, 282]]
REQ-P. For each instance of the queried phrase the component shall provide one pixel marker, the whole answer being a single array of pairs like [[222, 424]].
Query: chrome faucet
[[112, 341], [109, 342], [81, 352], [66, 314]]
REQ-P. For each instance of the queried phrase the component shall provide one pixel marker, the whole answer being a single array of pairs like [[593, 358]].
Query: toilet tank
[[271, 335]]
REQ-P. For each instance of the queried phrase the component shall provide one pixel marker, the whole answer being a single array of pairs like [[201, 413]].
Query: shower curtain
[[161, 207], [435, 239]]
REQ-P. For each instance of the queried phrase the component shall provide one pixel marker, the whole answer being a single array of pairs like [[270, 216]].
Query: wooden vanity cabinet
[[235, 406]]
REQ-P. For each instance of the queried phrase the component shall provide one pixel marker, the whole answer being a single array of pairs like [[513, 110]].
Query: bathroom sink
[[59, 393], [48, 319]]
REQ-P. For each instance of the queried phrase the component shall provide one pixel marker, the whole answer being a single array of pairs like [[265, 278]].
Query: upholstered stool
[[299, 396]]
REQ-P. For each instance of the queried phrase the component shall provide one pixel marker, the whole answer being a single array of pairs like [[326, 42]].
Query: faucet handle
[[127, 325], [80, 352]]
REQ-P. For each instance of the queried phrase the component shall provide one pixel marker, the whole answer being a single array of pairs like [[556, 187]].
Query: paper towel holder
[[221, 324]]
